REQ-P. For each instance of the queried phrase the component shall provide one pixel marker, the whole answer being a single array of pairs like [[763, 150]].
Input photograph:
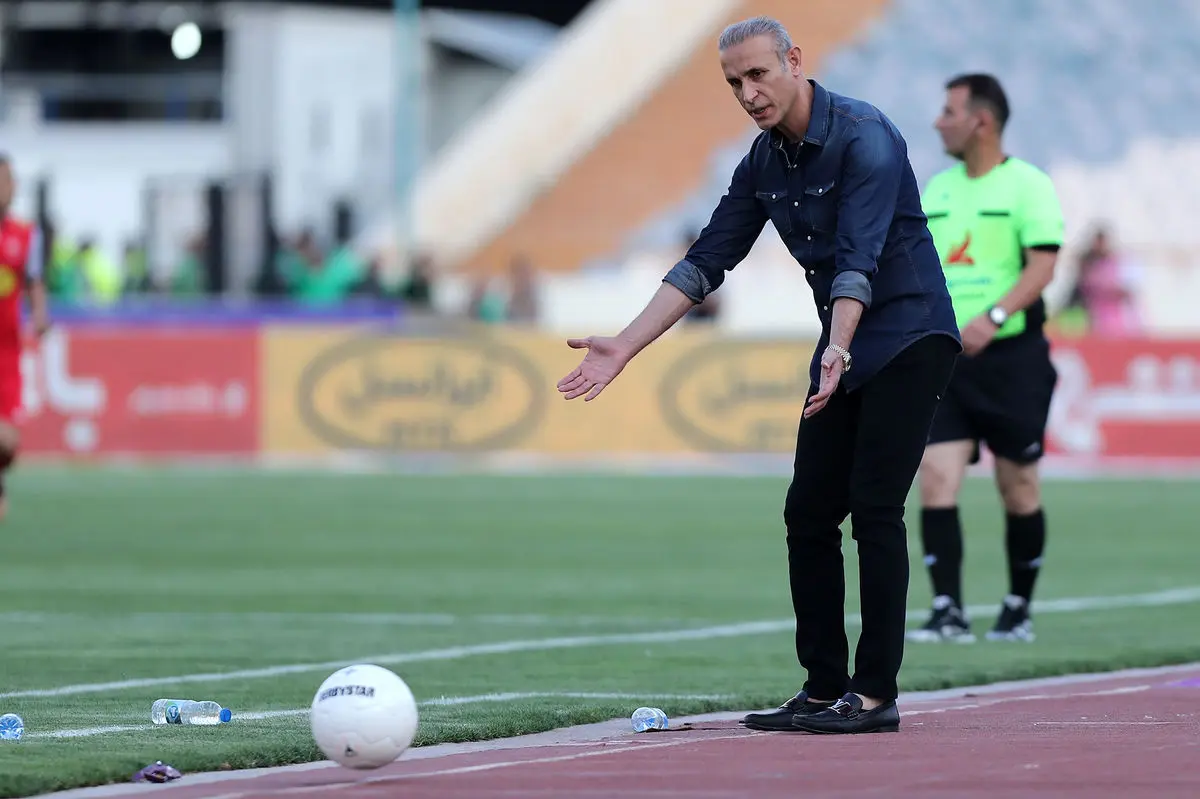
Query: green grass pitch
[[541, 596]]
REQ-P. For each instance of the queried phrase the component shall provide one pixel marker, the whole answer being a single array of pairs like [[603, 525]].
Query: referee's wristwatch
[[844, 354], [998, 315]]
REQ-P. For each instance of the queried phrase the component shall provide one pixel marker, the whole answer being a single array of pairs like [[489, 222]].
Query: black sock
[[6, 460], [941, 535], [1025, 540]]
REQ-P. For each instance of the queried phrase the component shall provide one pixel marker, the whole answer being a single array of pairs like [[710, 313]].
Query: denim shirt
[[847, 205]]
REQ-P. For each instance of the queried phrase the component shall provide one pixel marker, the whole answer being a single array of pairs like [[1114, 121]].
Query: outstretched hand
[[605, 359]]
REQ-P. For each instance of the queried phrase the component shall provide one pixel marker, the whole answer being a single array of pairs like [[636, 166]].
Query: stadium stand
[[551, 115], [1089, 105], [608, 126]]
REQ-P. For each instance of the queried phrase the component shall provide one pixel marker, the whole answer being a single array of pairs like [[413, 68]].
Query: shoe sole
[[750, 725], [1020, 639], [763, 728], [884, 728], [934, 638]]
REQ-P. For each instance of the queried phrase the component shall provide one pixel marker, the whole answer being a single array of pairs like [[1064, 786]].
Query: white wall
[[310, 95], [98, 171], [334, 130]]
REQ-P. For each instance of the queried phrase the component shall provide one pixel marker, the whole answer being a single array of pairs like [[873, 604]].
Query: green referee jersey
[[982, 227]]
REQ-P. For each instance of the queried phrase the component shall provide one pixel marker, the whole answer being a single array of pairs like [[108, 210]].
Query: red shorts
[[10, 398]]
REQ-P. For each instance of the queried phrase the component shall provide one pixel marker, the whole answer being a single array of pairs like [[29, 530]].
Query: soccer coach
[[833, 176]]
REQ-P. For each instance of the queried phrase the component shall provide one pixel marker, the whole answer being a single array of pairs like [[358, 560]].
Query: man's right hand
[[606, 357]]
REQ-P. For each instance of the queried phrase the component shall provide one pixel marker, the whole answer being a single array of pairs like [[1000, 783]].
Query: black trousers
[[858, 457]]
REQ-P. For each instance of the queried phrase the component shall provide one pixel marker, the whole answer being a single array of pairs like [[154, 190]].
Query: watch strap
[[845, 355]]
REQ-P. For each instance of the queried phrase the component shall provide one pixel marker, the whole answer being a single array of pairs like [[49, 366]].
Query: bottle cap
[[226, 714]]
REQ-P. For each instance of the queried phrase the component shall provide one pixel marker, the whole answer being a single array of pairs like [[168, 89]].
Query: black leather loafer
[[780, 719], [846, 716]]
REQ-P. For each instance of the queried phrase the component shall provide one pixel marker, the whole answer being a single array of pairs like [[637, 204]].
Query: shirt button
[[772, 196], [810, 238], [820, 191], [796, 204], [826, 307], [812, 271]]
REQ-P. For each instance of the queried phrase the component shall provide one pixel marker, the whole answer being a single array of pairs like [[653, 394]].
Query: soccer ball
[[363, 717]]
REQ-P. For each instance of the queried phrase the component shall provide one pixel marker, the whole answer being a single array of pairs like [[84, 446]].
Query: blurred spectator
[[136, 268], [417, 288], [1106, 289], [312, 276], [343, 270], [187, 279], [486, 303], [523, 300], [371, 284], [87, 273], [297, 259], [64, 280]]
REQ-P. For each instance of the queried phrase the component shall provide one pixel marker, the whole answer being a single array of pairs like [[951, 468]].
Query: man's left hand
[[978, 333], [832, 367]]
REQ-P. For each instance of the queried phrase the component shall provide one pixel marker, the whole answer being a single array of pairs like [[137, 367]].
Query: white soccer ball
[[363, 717]]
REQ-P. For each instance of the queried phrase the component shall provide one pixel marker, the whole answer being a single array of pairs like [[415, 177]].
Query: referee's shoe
[[1013, 623], [947, 622]]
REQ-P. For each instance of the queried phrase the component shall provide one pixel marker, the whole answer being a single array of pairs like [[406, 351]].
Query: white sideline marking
[[1106, 723], [397, 619], [449, 653], [444, 701], [1004, 700], [1176, 596]]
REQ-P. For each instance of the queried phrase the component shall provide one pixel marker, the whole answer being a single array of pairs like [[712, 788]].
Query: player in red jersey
[[20, 273]]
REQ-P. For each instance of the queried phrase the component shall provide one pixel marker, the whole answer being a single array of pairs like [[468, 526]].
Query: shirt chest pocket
[[778, 209], [820, 205]]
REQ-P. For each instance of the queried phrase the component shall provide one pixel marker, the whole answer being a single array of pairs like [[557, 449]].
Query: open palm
[[605, 359]]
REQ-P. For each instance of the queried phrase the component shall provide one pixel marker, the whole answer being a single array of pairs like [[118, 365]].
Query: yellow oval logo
[[8, 281], [738, 396], [398, 393]]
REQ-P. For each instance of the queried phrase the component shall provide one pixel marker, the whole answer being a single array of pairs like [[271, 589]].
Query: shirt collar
[[818, 120]]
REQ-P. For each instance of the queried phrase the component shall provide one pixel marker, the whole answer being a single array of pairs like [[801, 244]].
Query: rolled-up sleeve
[[734, 226], [854, 285], [873, 170]]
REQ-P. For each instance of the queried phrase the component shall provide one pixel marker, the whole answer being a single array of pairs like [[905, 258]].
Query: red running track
[[1128, 735]]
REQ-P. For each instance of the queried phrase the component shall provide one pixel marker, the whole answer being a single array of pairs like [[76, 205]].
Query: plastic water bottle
[[166, 711], [204, 713], [11, 727], [648, 718], [187, 711]]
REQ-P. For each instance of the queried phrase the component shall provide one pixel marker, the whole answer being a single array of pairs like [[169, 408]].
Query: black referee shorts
[[1000, 398]]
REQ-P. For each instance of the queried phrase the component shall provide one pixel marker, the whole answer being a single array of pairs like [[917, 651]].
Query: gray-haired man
[[832, 175]]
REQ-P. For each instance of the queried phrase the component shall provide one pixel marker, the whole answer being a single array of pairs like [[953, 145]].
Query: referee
[[832, 175], [998, 227]]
